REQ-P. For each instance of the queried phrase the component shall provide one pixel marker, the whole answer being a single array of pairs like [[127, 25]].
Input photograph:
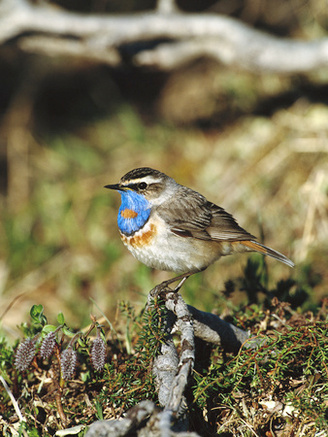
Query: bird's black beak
[[116, 187]]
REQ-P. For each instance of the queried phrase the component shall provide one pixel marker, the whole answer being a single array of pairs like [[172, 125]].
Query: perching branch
[[123, 426], [172, 370], [163, 39], [212, 329]]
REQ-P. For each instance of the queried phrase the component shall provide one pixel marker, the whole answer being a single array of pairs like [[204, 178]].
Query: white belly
[[167, 251]]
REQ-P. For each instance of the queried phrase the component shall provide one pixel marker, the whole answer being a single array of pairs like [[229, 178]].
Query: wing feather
[[190, 214]]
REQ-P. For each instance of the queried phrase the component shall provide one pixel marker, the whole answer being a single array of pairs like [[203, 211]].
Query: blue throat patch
[[133, 213]]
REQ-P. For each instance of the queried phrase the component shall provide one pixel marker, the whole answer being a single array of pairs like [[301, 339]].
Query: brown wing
[[224, 227], [189, 214]]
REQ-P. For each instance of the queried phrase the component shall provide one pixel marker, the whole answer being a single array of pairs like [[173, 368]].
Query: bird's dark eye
[[142, 185]]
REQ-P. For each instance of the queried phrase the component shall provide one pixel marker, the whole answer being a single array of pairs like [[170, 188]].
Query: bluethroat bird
[[168, 226]]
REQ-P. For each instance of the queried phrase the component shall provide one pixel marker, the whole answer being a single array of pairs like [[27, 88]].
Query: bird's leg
[[181, 278], [164, 286]]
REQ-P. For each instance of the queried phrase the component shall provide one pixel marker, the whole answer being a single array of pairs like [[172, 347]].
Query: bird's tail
[[258, 247]]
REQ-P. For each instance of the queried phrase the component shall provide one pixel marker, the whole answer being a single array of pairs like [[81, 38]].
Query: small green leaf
[[67, 331], [35, 312], [49, 328], [85, 376], [37, 315], [99, 410], [61, 318]]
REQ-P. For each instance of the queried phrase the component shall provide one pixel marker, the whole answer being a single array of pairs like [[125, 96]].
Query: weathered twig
[[13, 400], [166, 6], [187, 353], [172, 382], [166, 364], [173, 371], [122, 427], [183, 324], [155, 39], [213, 329]]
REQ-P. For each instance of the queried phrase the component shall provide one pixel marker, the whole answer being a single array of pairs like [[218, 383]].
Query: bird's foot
[[181, 279]]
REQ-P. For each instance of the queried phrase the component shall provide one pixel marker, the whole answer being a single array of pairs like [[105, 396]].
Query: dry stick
[[122, 427], [166, 6], [38, 28], [177, 305], [165, 367], [60, 409], [213, 329], [13, 400], [206, 326], [172, 372], [172, 379]]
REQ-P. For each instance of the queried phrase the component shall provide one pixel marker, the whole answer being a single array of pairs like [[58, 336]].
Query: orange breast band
[[140, 240], [128, 213]]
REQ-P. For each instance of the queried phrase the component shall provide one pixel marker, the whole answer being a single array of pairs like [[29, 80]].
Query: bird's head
[[153, 185]]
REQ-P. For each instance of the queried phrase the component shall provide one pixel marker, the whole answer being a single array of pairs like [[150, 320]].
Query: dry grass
[[269, 172], [257, 146]]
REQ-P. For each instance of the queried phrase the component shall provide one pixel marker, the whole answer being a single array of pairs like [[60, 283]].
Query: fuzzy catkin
[[98, 354], [25, 354], [68, 360]]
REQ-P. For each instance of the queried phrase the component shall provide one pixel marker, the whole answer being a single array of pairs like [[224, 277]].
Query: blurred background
[[254, 144]]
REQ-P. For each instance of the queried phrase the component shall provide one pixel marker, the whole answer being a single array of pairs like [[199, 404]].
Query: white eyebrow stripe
[[148, 179]]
